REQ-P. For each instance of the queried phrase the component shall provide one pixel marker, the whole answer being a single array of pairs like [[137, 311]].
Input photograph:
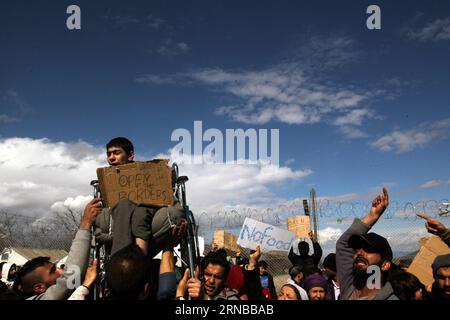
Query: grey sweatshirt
[[78, 257], [344, 264]]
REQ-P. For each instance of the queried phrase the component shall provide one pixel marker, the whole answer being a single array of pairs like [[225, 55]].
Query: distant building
[[20, 255]]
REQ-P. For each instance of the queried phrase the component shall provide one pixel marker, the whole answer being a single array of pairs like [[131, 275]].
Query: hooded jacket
[[5, 273]]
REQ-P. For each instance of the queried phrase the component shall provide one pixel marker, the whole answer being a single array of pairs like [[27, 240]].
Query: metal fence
[[399, 224]]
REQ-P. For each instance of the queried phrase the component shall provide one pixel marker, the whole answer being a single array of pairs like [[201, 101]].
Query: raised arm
[[344, 253], [437, 228], [78, 258], [252, 282], [167, 278]]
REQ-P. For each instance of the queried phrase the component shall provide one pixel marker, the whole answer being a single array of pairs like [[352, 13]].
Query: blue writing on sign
[[264, 238]]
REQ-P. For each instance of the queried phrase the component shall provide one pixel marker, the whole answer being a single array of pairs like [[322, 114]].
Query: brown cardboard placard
[[148, 183], [301, 225], [421, 265], [225, 240]]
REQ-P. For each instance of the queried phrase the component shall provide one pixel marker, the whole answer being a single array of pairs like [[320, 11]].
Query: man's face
[[365, 257], [214, 279], [316, 293], [48, 274], [442, 278], [117, 156]]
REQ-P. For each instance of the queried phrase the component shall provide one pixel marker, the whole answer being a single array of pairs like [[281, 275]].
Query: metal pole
[[313, 205]]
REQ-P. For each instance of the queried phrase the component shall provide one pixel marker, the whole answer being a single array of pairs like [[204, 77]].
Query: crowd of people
[[362, 267]]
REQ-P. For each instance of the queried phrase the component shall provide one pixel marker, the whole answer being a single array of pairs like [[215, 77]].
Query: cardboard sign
[[268, 237], [225, 240], [300, 225], [421, 265], [148, 183]]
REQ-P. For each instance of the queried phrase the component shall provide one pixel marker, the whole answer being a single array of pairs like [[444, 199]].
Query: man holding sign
[[132, 223], [307, 262]]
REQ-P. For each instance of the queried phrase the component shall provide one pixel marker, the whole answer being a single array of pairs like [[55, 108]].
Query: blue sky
[[356, 108]]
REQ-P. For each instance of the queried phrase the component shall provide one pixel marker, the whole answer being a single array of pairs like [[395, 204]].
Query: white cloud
[[75, 204], [330, 234], [292, 160], [38, 172], [282, 93], [171, 48], [352, 132], [354, 117], [431, 184], [340, 198], [435, 30], [4, 118], [292, 92], [408, 140], [212, 187]]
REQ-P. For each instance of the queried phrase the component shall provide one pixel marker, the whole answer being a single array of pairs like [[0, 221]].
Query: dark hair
[[127, 273], [216, 258], [297, 293], [221, 252], [294, 271], [405, 285], [263, 264], [330, 262], [31, 265], [121, 142], [303, 248]]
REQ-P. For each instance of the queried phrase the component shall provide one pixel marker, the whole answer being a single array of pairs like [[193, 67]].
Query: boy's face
[[117, 156]]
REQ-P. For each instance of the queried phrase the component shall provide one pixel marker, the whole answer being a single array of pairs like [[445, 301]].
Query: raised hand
[[254, 258], [182, 285], [379, 205], [194, 287], [91, 211], [433, 226]]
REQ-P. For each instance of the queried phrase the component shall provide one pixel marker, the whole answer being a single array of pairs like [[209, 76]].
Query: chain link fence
[[399, 224]]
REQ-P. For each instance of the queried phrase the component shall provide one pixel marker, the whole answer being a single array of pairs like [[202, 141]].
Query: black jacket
[[308, 264]]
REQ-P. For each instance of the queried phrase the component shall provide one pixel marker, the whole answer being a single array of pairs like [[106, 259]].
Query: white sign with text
[[254, 233]]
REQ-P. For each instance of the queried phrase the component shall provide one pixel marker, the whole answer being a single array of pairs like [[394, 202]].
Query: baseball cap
[[373, 240]]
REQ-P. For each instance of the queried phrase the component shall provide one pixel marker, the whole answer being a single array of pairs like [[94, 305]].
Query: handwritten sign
[[421, 265], [268, 237], [148, 183], [300, 225], [225, 240]]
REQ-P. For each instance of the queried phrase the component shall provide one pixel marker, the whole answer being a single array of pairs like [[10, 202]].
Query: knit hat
[[441, 261], [315, 280]]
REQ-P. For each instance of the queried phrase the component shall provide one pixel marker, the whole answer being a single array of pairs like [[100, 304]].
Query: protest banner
[[300, 225], [254, 233], [225, 240], [421, 265], [148, 183]]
